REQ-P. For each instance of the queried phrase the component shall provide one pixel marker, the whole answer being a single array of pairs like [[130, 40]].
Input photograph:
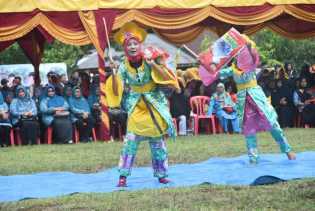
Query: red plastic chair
[[12, 137], [198, 104], [15, 137], [219, 128], [49, 132], [77, 135]]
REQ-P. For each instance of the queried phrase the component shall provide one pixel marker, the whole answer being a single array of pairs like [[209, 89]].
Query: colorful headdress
[[191, 74], [153, 52], [130, 30]]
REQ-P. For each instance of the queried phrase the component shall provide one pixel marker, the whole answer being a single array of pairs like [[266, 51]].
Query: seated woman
[[24, 115], [302, 100], [180, 108], [81, 114], [55, 113], [94, 103], [281, 99], [224, 108], [67, 92], [5, 124], [232, 90]]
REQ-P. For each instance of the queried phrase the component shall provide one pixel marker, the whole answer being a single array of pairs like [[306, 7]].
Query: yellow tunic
[[140, 121]]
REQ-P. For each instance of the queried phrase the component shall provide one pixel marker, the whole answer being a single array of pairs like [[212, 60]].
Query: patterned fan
[[247, 61], [153, 52]]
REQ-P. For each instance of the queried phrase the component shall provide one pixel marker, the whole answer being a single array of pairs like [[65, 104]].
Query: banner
[[223, 49], [59, 68], [26, 72], [219, 54]]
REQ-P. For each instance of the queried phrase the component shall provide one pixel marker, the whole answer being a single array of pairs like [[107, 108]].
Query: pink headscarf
[[139, 55]]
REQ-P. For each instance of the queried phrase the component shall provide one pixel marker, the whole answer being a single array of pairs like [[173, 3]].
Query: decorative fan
[[153, 52]]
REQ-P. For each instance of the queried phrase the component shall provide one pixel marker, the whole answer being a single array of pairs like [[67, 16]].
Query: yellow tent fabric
[[187, 23], [84, 5]]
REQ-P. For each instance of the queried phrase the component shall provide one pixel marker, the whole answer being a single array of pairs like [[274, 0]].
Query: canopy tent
[[79, 22], [90, 61], [75, 5]]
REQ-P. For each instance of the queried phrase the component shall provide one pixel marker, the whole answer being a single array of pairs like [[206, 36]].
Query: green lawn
[[295, 195]]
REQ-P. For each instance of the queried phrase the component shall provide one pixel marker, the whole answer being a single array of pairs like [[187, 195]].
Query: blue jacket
[[20, 105], [4, 108], [48, 112]]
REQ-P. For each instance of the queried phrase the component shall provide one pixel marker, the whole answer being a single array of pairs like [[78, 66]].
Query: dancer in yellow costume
[[147, 107]]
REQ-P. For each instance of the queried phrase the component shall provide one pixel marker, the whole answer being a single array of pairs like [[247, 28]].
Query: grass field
[[92, 157]]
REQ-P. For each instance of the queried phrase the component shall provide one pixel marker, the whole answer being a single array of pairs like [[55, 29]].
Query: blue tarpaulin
[[217, 170]]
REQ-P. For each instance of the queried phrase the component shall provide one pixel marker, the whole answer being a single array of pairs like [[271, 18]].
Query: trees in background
[[53, 53], [273, 48], [277, 49]]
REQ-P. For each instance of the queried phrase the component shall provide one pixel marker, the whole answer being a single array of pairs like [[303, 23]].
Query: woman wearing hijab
[[5, 124], [6, 91], [24, 115], [94, 103], [81, 114], [55, 113], [282, 101], [67, 92], [308, 73], [180, 108], [37, 95], [302, 100], [224, 108], [148, 111]]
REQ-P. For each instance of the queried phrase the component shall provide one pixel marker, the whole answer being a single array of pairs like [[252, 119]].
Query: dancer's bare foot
[[291, 156]]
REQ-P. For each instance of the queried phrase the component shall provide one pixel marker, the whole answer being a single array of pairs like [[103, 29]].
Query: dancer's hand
[[161, 61], [113, 66], [150, 62]]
